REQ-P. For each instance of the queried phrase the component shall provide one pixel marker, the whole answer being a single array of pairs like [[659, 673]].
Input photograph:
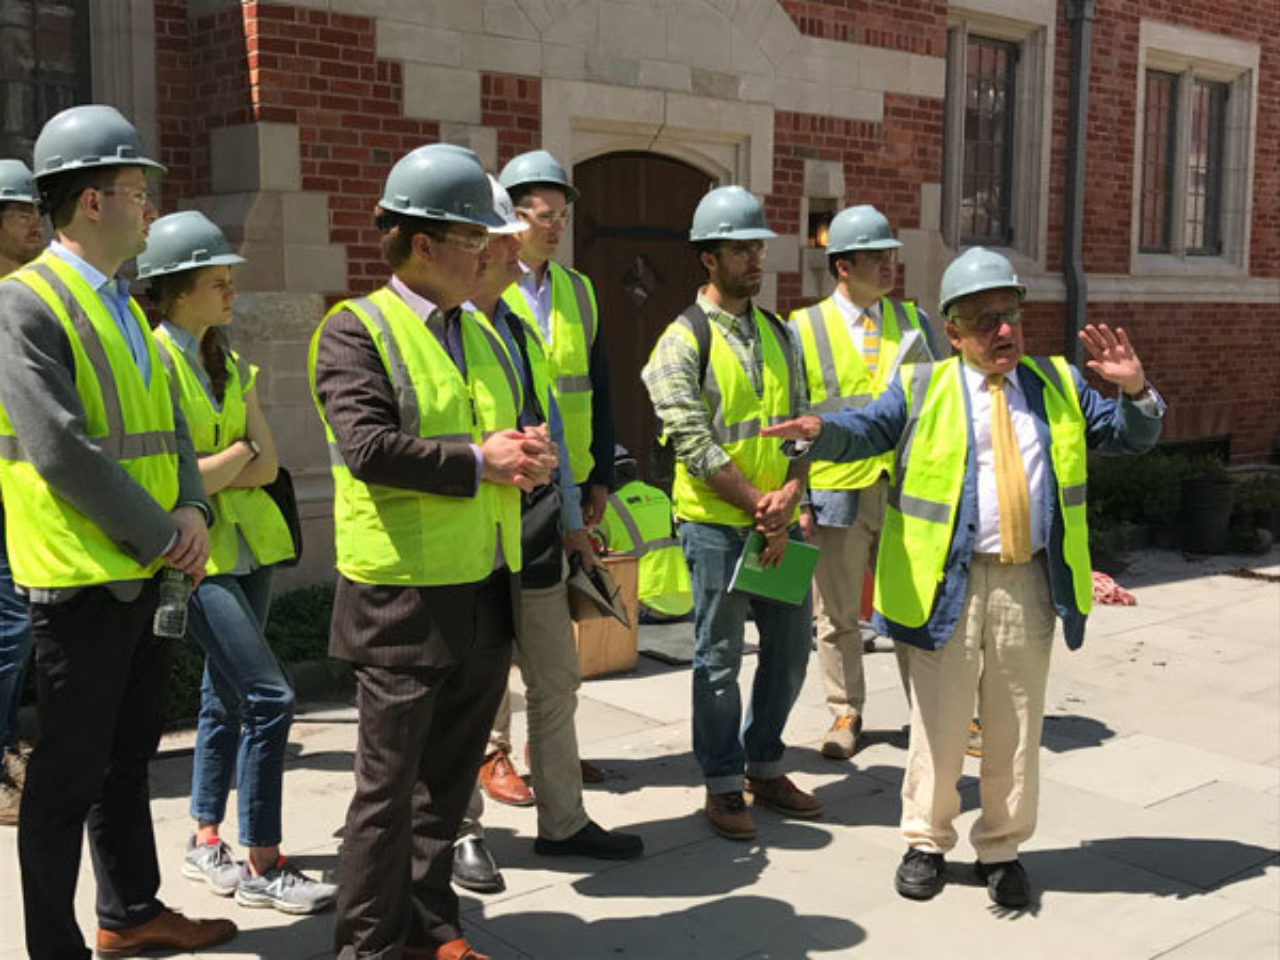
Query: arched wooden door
[[630, 229]]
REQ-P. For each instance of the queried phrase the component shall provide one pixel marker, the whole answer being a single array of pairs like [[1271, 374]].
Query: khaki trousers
[[1000, 649], [844, 556], [548, 660]]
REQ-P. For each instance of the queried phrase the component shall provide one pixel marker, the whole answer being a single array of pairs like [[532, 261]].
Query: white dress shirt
[[538, 297], [1033, 458], [853, 314]]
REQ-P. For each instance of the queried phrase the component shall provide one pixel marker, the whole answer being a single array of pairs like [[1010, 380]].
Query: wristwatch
[[253, 445]]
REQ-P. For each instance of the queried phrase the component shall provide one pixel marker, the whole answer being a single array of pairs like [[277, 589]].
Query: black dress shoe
[[475, 869], [592, 841], [1007, 883], [921, 875]]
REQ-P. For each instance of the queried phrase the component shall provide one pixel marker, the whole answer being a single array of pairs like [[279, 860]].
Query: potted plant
[[1207, 497]]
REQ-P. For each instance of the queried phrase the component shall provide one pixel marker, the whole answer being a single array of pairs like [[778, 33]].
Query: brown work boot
[[169, 930], [842, 739], [10, 801], [501, 782], [779, 793], [729, 817]]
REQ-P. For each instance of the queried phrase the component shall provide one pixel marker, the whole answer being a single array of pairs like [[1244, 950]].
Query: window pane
[[986, 181], [1204, 168], [1158, 131], [44, 66]]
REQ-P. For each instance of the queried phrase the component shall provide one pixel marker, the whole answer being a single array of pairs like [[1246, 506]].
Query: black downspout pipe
[[1080, 16]]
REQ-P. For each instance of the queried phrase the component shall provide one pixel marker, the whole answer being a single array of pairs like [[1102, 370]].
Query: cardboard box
[[604, 645]]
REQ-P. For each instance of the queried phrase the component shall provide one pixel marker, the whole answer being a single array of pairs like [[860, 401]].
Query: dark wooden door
[[630, 229]]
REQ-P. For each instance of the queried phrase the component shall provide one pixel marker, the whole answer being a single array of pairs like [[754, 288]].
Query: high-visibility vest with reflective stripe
[[51, 543], [738, 414], [574, 325], [838, 376], [250, 511], [391, 535], [637, 523], [930, 465]]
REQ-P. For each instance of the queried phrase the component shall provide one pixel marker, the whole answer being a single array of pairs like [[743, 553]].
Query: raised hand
[[1114, 359], [801, 428]]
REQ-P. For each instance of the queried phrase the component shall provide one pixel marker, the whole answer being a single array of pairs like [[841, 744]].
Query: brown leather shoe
[[591, 773], [842, 739], [500, 781], [169, 930], [779, 793], [457, 950], [729, 817]]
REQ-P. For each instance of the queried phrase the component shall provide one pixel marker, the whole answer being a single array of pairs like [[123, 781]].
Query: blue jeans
[[722, 744], [246, 707], [15, 647]]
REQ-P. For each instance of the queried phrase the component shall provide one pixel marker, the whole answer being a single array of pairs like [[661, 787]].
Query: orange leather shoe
[[500, 781], [458, 950], [169, 930]]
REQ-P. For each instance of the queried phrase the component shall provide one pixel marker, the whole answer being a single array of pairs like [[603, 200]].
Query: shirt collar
[[96, 279], [851, 310], [529, 279], [420, 305], [977, 380], [185, 341], [721, 316]]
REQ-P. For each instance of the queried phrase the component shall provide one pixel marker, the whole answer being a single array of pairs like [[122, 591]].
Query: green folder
[[788, 582]]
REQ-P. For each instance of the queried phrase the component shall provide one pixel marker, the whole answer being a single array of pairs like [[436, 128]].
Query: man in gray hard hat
[[420, 404], [985, 546], [853, 343], [721, 371], [20, 242], [101, 489]]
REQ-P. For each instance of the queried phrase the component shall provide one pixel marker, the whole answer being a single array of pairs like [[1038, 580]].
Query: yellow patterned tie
[[870, 343], [1011, 479]]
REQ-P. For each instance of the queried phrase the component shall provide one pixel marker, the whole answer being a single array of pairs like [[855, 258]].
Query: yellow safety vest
[[574, 326], [838, 376], [637, 523], [51, 543], [390, 535], [250, 512], [931, 457], [738, 414]]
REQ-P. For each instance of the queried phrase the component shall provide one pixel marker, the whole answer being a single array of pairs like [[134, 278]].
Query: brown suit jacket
[[377, 624]]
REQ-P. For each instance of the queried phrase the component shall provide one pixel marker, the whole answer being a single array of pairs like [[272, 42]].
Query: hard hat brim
[[747, 233], [90, 163], [19, 198], [218, 260], [507, 229], [869, 245], [970, 290]]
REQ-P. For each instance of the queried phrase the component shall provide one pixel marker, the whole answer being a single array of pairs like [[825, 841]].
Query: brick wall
[[912, 26], [884, 164], [512, 106]]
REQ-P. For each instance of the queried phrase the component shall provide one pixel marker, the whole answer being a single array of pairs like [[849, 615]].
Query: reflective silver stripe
[[151, 444], [504, 361], [242, 368], [91, 343], [11, 449], [639, 546], [836, 404], [583, 300], [406, 396], [924, 509], [573, 383], [1049, 372], [335, 455], [921, 374], [1074, 495], [826, 359]]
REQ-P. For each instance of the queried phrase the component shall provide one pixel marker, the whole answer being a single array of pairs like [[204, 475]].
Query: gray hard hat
[[504, 208], [16, 184], [729, 213], [441, 181], [860, 228], [184, 241], [537, 168], [93, 135], [975, 270]]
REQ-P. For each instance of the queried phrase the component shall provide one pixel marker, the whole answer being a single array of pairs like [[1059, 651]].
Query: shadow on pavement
[[1066, 732]]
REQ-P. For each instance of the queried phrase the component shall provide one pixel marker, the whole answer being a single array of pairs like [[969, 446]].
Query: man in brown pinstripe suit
[[419, 401]]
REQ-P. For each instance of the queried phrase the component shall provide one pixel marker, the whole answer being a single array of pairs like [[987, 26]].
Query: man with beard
[[720, 372]]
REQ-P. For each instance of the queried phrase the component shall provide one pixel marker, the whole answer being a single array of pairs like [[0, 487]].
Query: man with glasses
[[985, 544], [558, 305], [719, 373], [853, 342], [420, 404], [20, 243], [101, 489]]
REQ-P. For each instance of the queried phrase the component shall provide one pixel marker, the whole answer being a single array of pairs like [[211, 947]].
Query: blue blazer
[[1110, 427]]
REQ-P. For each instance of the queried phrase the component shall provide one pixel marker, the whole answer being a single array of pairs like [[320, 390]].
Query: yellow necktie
[[1011, 479], [870, 343]]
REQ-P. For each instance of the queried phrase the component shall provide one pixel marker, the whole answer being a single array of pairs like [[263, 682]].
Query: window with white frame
[[995, 160], [1193, 155]]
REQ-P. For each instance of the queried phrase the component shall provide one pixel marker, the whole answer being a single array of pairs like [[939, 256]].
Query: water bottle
[[171, 610]]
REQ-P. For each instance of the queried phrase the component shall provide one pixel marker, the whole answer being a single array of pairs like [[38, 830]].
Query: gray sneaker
[[286, 888], [211, 863]]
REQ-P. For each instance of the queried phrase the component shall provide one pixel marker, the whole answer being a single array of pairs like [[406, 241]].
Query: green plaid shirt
[[671, 376]]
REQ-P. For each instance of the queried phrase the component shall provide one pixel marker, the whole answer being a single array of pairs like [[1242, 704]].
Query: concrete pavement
[[1159, 816]]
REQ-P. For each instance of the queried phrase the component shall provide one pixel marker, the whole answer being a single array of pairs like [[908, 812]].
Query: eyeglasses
[[546, 218], [136, 195], [472, 243], [744, 250], [986, 324]]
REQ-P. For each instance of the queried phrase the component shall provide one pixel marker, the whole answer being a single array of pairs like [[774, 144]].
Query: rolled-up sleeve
[[672, 379]]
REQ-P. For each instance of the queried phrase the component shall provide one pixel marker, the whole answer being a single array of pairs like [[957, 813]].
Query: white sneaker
[[211, 863]]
